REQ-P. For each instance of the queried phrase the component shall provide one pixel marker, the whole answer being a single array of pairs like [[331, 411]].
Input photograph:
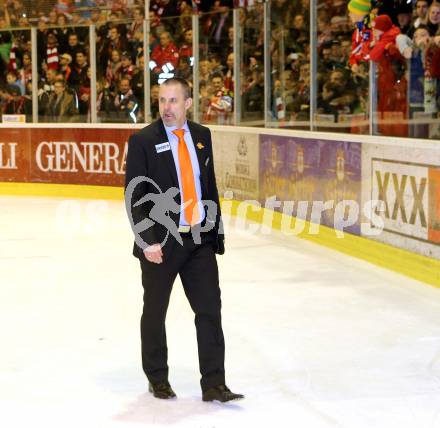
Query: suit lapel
[[167, 155], [201, 156]]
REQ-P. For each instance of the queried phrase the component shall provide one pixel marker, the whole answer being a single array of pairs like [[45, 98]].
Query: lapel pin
[[200, 146]]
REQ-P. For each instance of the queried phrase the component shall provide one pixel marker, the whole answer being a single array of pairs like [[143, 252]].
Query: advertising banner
[[65, 155], [237, 161], [407, 181], [15, 155], [312, 173]]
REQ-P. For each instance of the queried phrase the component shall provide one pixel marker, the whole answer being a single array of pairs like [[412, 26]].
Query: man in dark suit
[[173, 206]]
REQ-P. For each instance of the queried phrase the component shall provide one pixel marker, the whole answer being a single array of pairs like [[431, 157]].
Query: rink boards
[[323, 178]]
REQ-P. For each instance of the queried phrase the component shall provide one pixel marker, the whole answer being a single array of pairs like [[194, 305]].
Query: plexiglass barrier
[[297, 64]]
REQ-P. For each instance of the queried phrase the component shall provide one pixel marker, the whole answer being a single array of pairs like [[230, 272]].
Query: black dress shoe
[[161, 390], [220, 393]]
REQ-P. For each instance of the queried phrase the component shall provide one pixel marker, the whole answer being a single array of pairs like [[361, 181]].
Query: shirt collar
[[170, 129]]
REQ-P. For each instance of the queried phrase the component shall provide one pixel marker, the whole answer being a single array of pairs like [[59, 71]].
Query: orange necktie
[[187, 180]]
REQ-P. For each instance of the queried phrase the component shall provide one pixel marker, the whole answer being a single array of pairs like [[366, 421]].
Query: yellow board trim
[[62, 190], [413, 265]]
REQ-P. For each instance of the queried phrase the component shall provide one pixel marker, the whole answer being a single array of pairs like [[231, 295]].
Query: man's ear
[[188, 103]]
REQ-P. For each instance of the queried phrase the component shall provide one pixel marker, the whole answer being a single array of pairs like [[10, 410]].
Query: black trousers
[[197, 267]]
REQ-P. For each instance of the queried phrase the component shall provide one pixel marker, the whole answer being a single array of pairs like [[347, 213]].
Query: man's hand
[[407, 52], [153, 253]]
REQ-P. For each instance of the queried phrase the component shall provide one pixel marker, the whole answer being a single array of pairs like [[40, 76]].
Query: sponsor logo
[[239, 178], [410, 195], [8, 159], [89, 157]]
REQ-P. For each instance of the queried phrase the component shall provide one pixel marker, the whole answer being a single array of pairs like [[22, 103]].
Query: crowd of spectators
[[342, 89], [63, 57]]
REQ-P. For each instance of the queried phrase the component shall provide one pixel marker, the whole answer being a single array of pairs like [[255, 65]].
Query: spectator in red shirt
[[392, 96], [165, 52], [186, 47], [127, 67], [52, 52]]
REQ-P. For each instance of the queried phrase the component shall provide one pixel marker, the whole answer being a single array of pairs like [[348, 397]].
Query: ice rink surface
[[314, 339]]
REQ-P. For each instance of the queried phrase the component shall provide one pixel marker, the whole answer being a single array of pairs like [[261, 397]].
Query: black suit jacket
[[143, 160]]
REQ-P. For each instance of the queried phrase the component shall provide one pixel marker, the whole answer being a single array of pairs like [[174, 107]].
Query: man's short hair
[[216, 75], [60, 81], [182, 82], [421, 27]]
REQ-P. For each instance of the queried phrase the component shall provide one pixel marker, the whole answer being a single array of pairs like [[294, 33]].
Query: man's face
[[58, 88], [217, 84], [421, 9], [337, 78], [137, 14], [124, 86], [304, 72], [204, 67], [95, 15], [183, 64], [336, 51], [155, 93], [173, 105], [73, 40], [10, 78], [164, 39], [113, 34], [421, 37], [115, 56], [188, 37], [346, 47], [152, 18], [80, 58], [51, 39], [51, 75], [298, 22], [52, 17], [434, 14], [404, 19], [125, 61]]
